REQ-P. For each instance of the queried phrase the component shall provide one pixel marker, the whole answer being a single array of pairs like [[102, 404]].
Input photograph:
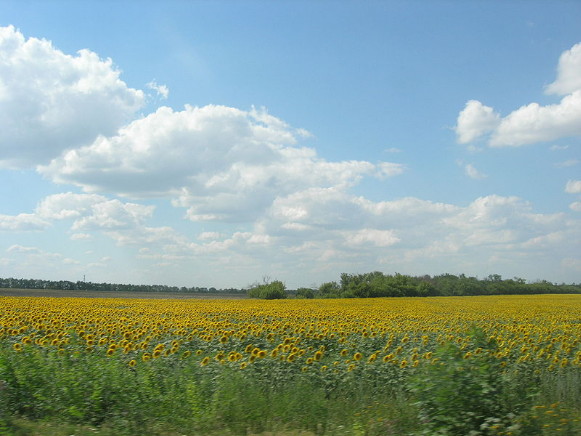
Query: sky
[[221, 143]]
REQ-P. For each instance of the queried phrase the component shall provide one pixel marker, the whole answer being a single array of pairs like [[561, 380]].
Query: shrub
[[468, 393], [269, 291]]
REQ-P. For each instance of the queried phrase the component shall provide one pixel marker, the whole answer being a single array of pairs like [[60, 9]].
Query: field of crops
[[486, 365]]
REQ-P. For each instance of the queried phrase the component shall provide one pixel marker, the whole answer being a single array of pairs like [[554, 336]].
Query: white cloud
[[162, 90], [473, 173], [531, 123], [389, 169], [568, 73], [22, 222], [220, 163], [328, 229], [336, 230], [51, 101], [124, 222], [573, 187], [535, 123], [67, 205], [378, 238], [114, 215], [16, 248], [474, 121]]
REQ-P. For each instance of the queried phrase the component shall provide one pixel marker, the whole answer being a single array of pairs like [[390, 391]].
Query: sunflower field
[[502, 365]]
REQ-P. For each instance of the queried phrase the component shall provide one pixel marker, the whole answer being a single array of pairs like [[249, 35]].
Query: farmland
[[494, 365]]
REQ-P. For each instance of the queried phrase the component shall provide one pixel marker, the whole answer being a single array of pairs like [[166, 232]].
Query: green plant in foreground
[[469, 393]]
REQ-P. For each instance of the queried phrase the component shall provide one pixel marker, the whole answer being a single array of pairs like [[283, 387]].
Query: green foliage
[[269, 291], [305, 293], [181, 397], [378, 284], [329, 290], [457, 395], [467, 393]]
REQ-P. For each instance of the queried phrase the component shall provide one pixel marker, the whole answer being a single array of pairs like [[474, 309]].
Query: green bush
[[269, 291], [469, 392], [305, 293]]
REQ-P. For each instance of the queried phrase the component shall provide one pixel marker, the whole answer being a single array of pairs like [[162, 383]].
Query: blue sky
[[215, 143]]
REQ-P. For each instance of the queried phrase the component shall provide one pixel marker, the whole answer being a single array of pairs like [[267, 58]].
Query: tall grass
[[456, 397]]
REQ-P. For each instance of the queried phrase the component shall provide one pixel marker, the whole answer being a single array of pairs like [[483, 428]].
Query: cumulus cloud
[[67, 205], [87, 212], [568, 73], [327, 228], [220, 163], [113, 215], [51, 101], [322, 229], [535, 123], [22, 222], [474, 121], [531, 123]]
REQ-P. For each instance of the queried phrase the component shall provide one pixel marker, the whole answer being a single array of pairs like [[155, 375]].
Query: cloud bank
[[218, 162]]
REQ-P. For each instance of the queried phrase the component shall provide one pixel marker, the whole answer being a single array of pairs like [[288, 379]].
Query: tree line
[[65, 285], [378, 284], [366, 285]]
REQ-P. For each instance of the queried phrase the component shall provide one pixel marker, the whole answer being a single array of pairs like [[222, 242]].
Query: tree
[[268, 291], [305, 293]]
